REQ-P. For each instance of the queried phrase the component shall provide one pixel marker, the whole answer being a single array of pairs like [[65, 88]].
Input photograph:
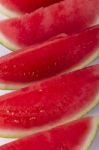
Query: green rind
[[13, 47], [92, 135], [14, 86], [6, 43], [6, 133], [89, 59], [9, 13], [86, 142]]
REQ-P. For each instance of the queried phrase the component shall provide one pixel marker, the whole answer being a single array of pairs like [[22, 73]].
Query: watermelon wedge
[[62, 53], [77, 135], [12, 8], [50, 103], [68, 16]]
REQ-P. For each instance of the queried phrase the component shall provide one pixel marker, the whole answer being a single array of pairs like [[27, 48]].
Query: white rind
[[84, 63], [96, 21], [13, 46], [13, 86], [16, 133], [7, 12], [92, 133], [4, 41], [7, 43]]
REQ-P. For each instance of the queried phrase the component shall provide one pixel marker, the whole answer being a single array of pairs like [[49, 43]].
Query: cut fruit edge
[[15, 86], [91, 136], [86, 61], [9, 13], [18, 133], [7, 43], [13, 46]]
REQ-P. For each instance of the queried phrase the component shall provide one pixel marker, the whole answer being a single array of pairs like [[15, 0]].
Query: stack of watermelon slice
[[53, 42]]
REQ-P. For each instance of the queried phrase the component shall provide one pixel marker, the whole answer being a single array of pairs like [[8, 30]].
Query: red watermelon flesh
[[19, 7], [63, 53], [49, 103], [68, 16], [76, 135]]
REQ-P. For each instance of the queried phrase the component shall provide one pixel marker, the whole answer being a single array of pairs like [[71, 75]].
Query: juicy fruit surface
[[76, 135], [63, 53], [50, 21], [27, 6], [63, 97]]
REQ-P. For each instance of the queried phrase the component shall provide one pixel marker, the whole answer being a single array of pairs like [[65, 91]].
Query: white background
[[95, 145]]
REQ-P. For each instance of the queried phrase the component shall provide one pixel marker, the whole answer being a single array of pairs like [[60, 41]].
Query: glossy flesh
[[21, 7], [49, 103], [63, 53], [47, 22], [76, 135]]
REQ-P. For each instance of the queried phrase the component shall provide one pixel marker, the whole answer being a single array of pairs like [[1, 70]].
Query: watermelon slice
[[12, 8], [68, 16], [50, 103], [63, 53], [77, 135]]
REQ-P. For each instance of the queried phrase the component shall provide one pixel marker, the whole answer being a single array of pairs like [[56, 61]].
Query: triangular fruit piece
[[62, 53], [67, 17], [13, 8], [49, 103], [77, 135]]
